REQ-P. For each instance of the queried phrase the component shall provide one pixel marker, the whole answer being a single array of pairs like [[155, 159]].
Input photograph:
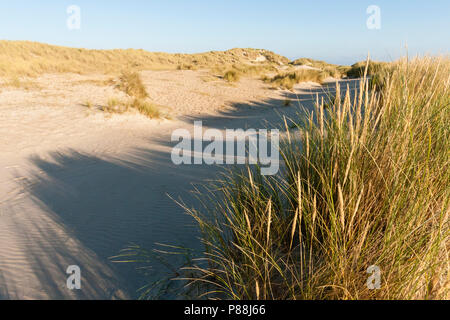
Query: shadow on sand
[[101, 205]]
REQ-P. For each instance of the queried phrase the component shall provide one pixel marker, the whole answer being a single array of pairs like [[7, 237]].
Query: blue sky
[[335, 31]]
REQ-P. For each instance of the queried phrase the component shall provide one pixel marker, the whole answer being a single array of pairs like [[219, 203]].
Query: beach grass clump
[[115, 105], [131, 83], [147, 108], [231, 76], [144, 107], [364, 185]]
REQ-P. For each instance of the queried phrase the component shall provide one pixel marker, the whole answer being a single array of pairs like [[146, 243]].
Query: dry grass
[[131, 83], [290, 79], [115, 105], [357, 70], [365, 182], [332, 70], [24, 58], [144, 107], [186, 67], [231, 76], [20, 83], [147, 108]]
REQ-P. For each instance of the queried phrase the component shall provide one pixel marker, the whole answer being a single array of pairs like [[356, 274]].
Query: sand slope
[[78, 185]]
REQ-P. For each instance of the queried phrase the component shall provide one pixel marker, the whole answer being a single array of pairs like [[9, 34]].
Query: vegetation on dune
[[131, 83], [186, 67], [147, 108], [332, 70], [358, 69], [288, 80], [365, 182], [19, 83], [231, 76], [312, 63], [25, 58], [115, 105]]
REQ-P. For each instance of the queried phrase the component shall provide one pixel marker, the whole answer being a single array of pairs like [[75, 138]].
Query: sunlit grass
[[365, 182]]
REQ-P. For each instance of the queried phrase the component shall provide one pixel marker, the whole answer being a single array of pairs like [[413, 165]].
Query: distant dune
[[25, 58]]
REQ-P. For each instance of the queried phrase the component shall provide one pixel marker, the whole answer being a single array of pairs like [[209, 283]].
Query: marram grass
[[365, 182]]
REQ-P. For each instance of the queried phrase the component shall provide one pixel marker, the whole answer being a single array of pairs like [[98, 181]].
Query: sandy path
[[76, 187]]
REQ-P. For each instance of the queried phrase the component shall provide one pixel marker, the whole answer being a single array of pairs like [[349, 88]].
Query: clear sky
[[335, 31]]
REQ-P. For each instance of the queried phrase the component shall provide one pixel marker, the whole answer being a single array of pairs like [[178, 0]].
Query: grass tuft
[[131, 83], [147, 108], [365, 182], [231, 76]]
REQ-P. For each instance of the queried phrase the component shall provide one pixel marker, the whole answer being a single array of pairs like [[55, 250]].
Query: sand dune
[[77, 185]]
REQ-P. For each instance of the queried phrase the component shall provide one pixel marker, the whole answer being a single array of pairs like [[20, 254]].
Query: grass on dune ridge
[[29, 59], [365, 182]]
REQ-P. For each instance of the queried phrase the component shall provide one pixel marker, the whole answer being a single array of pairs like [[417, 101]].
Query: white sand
[[78, 185]]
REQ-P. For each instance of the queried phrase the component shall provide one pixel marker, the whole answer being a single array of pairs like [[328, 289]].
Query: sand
[[77, 185]]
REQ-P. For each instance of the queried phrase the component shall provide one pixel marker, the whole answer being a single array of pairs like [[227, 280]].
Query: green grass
[[365, 182]]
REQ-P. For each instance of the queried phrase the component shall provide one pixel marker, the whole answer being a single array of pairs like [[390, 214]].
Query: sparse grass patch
[[131, 83], [147, 109], [88, 104], [19, 83], [144, 107], [115, 105]]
